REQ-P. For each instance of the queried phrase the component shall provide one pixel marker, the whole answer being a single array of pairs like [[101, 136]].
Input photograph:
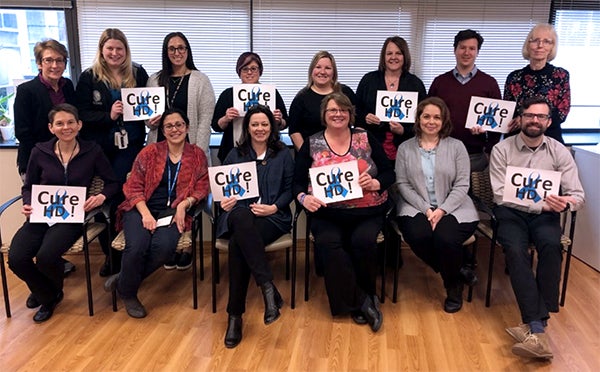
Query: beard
[[533, 131]]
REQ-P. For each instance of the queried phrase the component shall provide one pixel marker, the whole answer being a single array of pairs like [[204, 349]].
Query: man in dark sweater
[[457, 86]]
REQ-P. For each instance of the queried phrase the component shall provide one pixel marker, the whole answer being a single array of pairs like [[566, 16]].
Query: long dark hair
[[167, 65], [273, 142]]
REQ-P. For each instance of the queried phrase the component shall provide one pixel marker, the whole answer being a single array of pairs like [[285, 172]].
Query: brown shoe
[[536, 345], [519, 332]]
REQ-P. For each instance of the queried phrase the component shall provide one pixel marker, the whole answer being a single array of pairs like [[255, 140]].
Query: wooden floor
[[416, 335]]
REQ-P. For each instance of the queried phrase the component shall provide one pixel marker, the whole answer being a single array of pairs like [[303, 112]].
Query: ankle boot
[[233, 335], [454, 301], [273, 302]]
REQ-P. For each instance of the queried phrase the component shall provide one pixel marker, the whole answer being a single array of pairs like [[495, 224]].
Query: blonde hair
[[100, 67], [545, 27], [324, 54]]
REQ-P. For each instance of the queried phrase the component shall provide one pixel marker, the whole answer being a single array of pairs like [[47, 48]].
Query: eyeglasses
[[62, 124], [539, 41], [337, 111], [181, 49], [50, 61], [530, 116], [252, 69], [179, 125]]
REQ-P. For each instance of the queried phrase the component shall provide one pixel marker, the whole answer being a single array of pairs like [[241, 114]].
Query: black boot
[[453, 302], [371, 311], [273, 302], [233, 335]]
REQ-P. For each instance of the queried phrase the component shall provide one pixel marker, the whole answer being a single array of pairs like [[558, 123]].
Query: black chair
[[90, 231], [483, 197], [286, 242]]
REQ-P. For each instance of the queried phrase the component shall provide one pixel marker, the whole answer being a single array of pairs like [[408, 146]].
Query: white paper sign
[[238, 180], [57, 204], [142, 103], [336, 182], [396, 106], [527, 186], [248, 95], [491, 114]]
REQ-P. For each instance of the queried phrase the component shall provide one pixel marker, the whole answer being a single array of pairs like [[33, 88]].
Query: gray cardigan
[[452, 174], [200, 107]]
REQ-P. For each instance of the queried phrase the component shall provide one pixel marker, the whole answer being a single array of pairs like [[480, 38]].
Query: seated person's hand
[[263, 210], [179, 217], [514, 124], [368, 183], [555, 203], [27, 210], [312, 204], [396, 128], [148, 222], [228, 203], [93, 201], [153, 122], [372, 119]]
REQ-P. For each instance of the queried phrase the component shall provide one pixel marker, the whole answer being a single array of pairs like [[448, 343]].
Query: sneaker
[[519, 332], [172, 263], [535, 345], [185, 261], [134, 307]]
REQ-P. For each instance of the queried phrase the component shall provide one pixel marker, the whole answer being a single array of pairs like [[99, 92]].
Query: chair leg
[[214, 277], [5, 287], [194, 270], [294, 257], [383, 266], [488, 292], [474, 250], [398, 243], [563, 293], [306, 263], [287, 264], [88, 276]]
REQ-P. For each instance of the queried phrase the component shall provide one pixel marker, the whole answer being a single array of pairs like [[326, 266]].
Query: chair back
[[481, 188], [96, 186]]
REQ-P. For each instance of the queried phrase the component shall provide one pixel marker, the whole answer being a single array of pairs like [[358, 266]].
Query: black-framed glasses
[[252, 69], [530, 116], [538, 41], [181, 49]]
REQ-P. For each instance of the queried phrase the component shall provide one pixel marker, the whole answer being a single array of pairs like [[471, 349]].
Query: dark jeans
[[47, 244], [441, 248], [348, 243], [248, 237], [144, 252], [536, 295]]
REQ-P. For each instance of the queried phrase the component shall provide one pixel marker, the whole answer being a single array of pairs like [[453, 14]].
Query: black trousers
[[536, 295], [248, 236], [47, 244], [441, 249], [348, 243], [144, 252]]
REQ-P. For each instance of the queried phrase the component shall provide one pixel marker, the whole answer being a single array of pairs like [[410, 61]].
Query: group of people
[[428, 163]]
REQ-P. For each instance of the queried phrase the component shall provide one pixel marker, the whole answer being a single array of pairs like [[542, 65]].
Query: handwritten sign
[[527, 186], [491, 114], [336, 182], [57, 204], [396, 106], [248, 95], [235, 180], [142, 103]]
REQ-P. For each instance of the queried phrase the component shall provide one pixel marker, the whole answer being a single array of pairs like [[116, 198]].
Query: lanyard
[[171, 185]]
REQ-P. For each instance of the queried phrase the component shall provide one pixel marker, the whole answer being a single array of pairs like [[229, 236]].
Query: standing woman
[[35, 99], [251, 224], [305, 115], [98, 98], [393, 75], [187, 89], [63, 160], [249, 68], [346, 231], [539, 77], [435, 214], [166, 180]]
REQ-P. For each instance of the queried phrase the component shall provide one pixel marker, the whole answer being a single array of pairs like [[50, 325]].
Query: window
[[218, 31], [20, 29], [578, 26]]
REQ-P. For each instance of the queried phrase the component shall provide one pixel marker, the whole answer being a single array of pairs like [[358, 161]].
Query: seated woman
[[251, 224], [346, 231], [166, 180], [63, 160], [435, 213]]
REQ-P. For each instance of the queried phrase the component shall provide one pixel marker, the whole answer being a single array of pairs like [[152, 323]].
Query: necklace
[[60, 155], [178, 82], [391, 82], [430, 145]]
